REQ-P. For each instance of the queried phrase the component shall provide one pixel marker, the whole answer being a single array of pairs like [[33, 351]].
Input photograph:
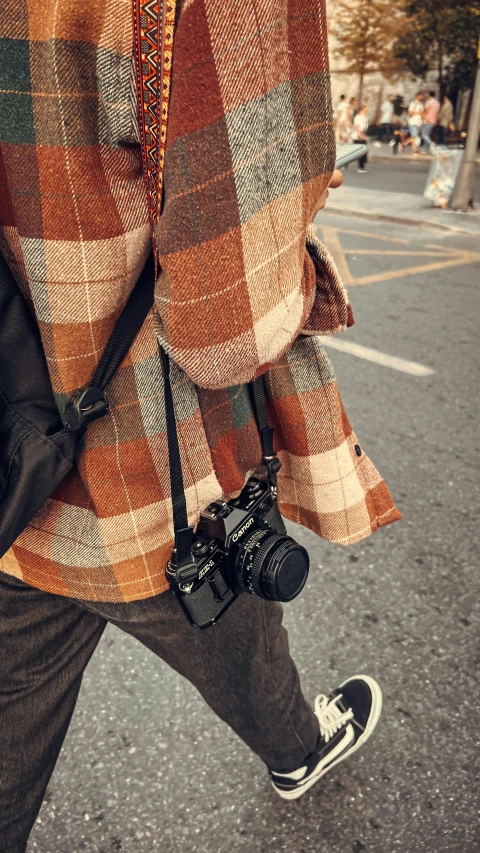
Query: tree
[[365, 31], [440, 35]]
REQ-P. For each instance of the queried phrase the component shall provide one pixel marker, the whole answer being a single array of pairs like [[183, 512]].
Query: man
[[386, 116], [341, 120], [430, 115], [445, 120], [350, 118], [360, 124], [244, 289], [415, 119]]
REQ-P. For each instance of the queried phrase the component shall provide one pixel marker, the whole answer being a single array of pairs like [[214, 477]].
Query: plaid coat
[[245, 288]]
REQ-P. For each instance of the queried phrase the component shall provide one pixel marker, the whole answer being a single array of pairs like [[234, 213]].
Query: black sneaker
[[347, 718]]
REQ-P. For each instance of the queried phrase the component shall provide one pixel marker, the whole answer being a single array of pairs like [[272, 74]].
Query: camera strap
[[182, 562], [260, 408], [259, 399]]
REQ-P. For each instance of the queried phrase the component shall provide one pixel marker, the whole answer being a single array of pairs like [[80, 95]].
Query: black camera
[[240, 546]]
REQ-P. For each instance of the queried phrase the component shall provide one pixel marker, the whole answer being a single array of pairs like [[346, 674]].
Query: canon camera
[[240, 546]]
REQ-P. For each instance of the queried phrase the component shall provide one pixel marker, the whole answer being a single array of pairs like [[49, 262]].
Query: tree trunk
[[360, 91], [365, 30], [462, 114], [379, 105], [441, 81], [463, 192]]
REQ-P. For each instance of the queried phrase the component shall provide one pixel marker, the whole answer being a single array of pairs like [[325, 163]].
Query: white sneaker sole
[[343, 750], [320, 769]]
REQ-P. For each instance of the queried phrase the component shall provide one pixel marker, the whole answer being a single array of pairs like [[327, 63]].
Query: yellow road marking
[[401, 364], [392, 274], [447, 250], [399, 252], [331, 239], [365, 234], [447, 256]]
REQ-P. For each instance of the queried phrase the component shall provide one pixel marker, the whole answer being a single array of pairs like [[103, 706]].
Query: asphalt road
[[146, 766], [395, 176]]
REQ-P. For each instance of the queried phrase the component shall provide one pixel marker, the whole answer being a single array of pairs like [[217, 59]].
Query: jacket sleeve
[[214, 340], [331, 311], [250, 149]]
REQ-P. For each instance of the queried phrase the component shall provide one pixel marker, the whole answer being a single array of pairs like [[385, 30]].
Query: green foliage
[[440, 35]]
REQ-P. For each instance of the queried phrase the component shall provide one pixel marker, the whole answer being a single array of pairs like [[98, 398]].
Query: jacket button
[[358, 450]]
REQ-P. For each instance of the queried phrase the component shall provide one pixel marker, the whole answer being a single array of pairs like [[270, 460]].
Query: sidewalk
[[403, 208], [386, 153]]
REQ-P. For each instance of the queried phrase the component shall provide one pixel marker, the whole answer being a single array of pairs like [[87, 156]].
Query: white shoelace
[[330, 716]]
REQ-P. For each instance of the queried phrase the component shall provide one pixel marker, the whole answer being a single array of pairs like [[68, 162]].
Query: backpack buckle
[[85, 406]]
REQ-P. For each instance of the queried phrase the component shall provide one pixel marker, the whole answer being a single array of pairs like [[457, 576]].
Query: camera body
[[240, 547]]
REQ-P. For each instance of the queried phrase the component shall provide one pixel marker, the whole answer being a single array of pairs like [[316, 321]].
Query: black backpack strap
[[91, 402]]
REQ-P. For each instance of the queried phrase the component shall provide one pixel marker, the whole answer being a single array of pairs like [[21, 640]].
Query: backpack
[[37, 448]]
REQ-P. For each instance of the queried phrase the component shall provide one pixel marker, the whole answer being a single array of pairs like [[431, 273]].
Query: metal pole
[[462, 195]]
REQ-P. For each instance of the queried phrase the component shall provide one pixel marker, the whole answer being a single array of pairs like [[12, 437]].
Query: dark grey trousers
[[241, 666]]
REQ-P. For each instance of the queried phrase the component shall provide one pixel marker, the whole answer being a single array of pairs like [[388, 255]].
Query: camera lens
[[271, 565]]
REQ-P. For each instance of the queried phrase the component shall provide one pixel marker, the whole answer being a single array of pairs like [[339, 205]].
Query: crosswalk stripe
[[411, 367]]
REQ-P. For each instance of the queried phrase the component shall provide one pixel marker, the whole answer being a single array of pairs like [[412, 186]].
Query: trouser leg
[[426, 137], [46, 643], [243, 669], [363, 160]]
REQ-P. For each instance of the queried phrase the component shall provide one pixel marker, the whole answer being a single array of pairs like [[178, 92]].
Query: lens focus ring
[[272, 566], [247, 574]]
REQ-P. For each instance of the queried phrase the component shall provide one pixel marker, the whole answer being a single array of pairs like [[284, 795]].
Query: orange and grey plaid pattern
[[249, 150]]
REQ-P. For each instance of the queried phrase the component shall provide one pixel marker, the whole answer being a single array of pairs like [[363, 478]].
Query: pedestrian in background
[[444, 120], [386, 118], [350, 118], [415, 120], [342, 127], [360, 124], [399, 125], [430, 116]]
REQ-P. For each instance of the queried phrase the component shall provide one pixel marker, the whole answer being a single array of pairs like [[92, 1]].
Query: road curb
[[397, 220], [400, 158]]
